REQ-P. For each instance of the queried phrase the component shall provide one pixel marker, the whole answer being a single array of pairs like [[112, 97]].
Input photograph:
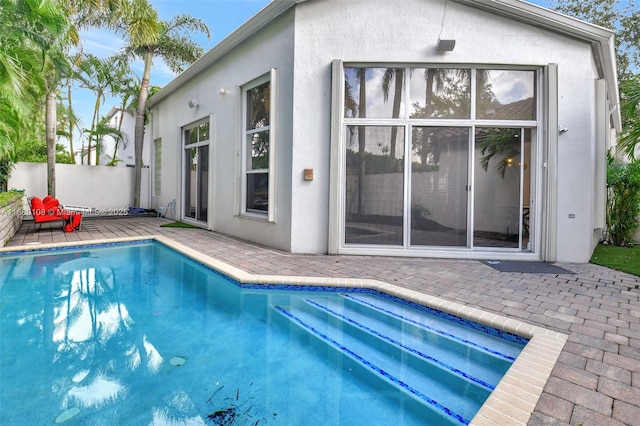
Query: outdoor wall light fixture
[[193, 103], [223, 91], [445, 45]]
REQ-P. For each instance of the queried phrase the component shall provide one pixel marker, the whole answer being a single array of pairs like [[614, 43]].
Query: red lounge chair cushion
[[50, 204], [41, 214]]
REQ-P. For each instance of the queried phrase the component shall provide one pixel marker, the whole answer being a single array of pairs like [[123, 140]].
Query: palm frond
[[630, 138]]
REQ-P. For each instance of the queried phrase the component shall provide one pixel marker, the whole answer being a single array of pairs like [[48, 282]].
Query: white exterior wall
[[255, 57], [383, 32]]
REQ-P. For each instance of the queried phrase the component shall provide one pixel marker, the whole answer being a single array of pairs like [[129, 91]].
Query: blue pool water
[[139, 334]]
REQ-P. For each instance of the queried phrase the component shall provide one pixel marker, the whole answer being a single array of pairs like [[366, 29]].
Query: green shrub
[[10, 196], [623, 201]]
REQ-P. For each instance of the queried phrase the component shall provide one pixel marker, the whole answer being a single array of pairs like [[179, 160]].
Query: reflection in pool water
[[138, 334]]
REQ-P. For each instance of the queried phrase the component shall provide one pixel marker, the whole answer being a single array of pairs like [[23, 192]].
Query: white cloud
[[101, 43], [511, 86]]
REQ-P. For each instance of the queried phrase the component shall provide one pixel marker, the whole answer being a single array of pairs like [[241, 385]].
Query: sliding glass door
[[501, 187], [439, 186], [375, 185], [438, 157]]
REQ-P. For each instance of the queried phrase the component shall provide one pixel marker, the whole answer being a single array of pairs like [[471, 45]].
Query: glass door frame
[[527, 134], [340, 122], [185, 153]]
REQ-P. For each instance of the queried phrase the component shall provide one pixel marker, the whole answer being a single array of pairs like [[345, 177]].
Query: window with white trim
[[157, 169], [257, 149]]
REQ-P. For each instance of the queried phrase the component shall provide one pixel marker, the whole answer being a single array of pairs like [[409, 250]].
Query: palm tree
[[101, 76], [630, 138], [68, 121], [362, 143], [32, 33], [103, 129], [58, 63], [388, 76], [56, 66], [148, 37], [128, 91]]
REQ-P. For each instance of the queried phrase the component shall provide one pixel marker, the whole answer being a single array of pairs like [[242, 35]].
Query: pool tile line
[[32, 248], [546, 344]]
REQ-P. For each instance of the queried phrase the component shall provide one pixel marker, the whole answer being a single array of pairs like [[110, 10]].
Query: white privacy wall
[[109, 189], [255, 57], [383, 32]]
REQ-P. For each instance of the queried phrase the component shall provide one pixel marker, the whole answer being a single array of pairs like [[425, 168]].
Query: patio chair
[[49, 210], [163, 211], [43, 214]]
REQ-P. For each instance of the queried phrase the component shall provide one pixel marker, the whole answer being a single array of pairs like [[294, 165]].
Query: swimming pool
[[140, 334]]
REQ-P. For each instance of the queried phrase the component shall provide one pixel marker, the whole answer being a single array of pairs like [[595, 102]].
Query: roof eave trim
[[546, 18], [246, 30], [601, 39]]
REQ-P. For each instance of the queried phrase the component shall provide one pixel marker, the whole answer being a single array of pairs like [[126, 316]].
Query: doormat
[[526, 267]]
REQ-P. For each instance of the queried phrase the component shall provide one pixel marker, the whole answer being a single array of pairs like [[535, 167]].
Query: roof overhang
[[601, 40]]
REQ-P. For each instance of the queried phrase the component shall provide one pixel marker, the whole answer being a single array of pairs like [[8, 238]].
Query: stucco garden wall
[[10, 220], [98, 187]]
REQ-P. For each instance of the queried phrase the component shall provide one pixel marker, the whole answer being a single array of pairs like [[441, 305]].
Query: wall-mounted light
[[193, 103], [562, 129], [223, 91], [445, 45]]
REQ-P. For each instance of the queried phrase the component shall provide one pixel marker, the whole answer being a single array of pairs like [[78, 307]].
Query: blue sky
[[222, 17]]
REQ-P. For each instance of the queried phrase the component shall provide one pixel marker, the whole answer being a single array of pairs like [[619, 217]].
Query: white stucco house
[[124, 152], [436, 128]]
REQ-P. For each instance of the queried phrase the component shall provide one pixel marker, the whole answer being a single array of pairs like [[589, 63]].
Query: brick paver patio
[[597, 378]]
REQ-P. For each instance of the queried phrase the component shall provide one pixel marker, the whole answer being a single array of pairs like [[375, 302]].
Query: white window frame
[[336, 244], [189, 145], [245, 150], [157, 169]]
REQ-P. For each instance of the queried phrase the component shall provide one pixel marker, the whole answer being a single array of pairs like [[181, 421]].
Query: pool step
[[402, 361], [452, 330], [429, 343]]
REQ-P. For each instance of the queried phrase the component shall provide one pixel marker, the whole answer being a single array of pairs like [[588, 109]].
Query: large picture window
[[438, 157], [257, 147]]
